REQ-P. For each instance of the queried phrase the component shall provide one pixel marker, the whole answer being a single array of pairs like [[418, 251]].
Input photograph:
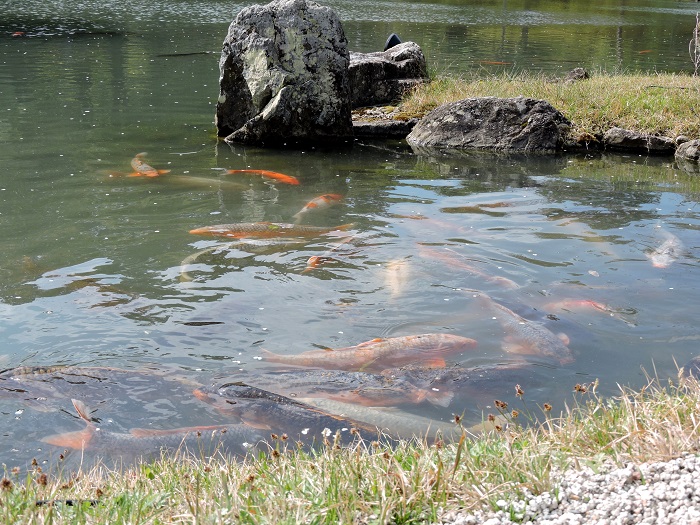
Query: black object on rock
[[394, 40]]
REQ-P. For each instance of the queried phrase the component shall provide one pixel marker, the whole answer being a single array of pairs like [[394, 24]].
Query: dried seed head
[[250, 478], [547, 407], [284, 437], [580, 388], [274, 436], [458, 418], [515, 414], [491, 418], [500, 404], [275, 453], [498, 428], [5, 484], [42, 480], [15, 470], [35, 463], [519, 391], [98, 492], [354, 431]]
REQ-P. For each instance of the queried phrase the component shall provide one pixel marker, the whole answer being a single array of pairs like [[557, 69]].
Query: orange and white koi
[[279, 177], [380, 353], [141, 169], [266, 230], [318, 203]]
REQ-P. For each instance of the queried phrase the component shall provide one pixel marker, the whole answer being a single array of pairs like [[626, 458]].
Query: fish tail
[[75, 440], [269, 356]]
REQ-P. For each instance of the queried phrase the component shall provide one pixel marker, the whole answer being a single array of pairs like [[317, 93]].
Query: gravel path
[[652, 493]]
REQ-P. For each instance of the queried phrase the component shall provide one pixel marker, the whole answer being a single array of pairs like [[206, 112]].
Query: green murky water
[[92, 269]]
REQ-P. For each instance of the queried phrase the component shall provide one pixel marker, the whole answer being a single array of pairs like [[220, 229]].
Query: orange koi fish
[[141, 169], [237, 439], [266, 230], [528, 337], [318, 203], [379, 353], [279, 177]]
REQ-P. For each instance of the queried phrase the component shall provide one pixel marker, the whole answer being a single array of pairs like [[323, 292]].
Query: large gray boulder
[[517, 124], [385, 76], [284, 76]]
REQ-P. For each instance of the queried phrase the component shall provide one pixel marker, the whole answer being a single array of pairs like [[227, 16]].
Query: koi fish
[[361, 388], [528, 337], [315, 261], [459, 261], [278, 414], [279, 177], [379, 353], [141, 169], [667, 253], [396, 423], [236, 439], [266, 230], [322, 201]]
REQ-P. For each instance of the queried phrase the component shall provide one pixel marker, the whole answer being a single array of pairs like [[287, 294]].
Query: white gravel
[[653, 493]]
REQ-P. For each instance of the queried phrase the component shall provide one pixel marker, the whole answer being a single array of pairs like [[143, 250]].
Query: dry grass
[[660, 104], [413, 482]]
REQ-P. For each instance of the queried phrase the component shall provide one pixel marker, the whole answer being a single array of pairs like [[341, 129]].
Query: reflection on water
[[563, 269]]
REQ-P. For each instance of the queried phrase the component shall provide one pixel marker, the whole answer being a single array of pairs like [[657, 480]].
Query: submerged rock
[[284, 76], [488, 123]]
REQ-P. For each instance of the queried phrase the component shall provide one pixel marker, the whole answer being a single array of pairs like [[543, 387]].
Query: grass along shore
[[412, 483], [658, 104]]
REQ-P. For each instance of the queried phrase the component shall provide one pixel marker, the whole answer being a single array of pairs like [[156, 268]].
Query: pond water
[[100, 270]]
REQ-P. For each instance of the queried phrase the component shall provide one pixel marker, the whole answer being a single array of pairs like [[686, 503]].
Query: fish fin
[[345, 227], [134, 174], [435, 362], [564, 338], [82, 410], [441, 399], [162, 172], [76, 440], [512, 347], [270, 356], [139, 155]]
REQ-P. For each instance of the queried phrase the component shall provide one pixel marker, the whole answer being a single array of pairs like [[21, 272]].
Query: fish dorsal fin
[[82, 410], [564, 338]]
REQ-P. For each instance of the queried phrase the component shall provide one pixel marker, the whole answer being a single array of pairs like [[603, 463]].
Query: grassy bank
[[661, 104], [409, 484]]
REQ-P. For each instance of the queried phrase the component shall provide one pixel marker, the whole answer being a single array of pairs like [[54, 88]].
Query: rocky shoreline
[[656, 493]]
